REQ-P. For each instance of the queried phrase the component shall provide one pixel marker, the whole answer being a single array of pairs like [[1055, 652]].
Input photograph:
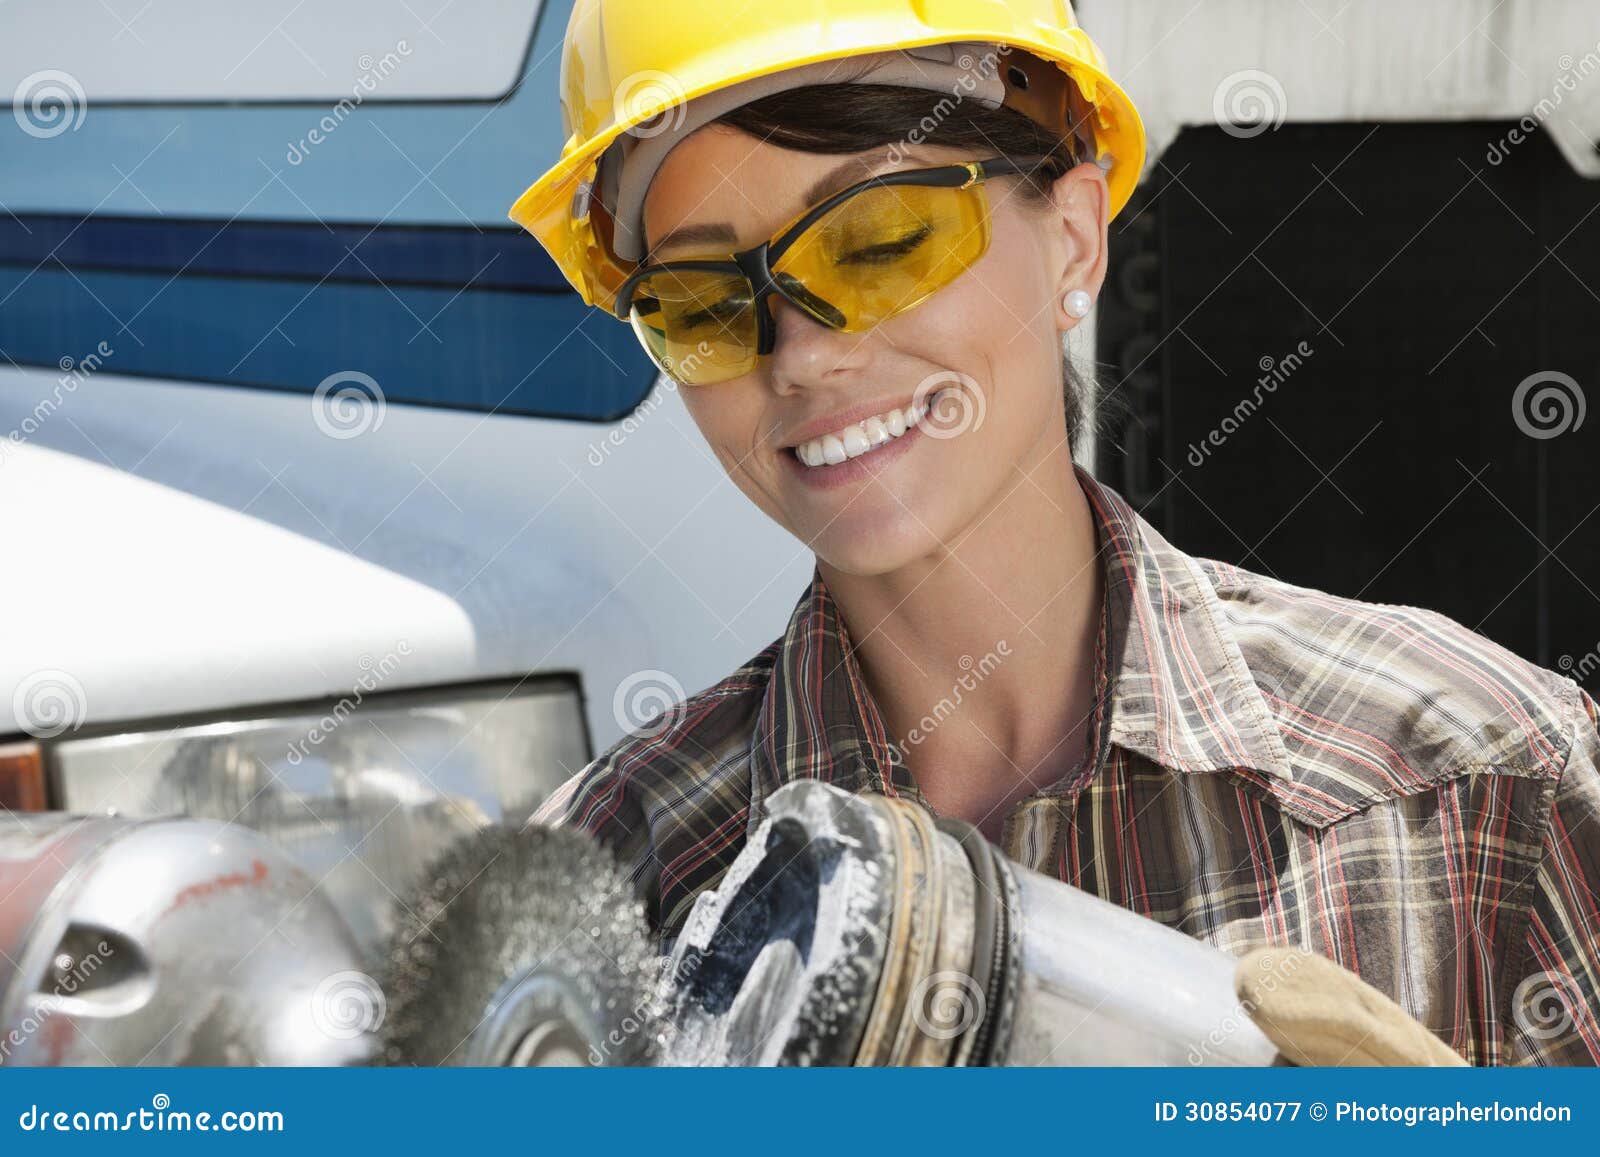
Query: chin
[[875, 545]]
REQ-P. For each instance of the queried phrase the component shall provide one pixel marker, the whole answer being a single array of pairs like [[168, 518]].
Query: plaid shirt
[[1268, 764]]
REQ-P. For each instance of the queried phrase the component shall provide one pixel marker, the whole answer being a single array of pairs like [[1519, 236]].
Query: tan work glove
[[1318, 1013]]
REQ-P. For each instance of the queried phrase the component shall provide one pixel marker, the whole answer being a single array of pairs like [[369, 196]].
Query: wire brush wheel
[[522, 946]]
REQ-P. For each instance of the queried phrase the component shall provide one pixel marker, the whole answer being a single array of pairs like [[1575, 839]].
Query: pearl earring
[[1078, 303]]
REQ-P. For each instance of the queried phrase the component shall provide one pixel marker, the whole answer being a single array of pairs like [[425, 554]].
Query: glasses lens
[[884, 251], [698, 324]]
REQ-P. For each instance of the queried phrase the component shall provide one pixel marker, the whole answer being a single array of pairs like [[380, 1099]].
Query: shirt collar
[[1181, 693], [1178, 691]]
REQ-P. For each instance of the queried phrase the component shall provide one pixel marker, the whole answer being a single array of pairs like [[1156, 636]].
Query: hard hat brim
[[556, 207]]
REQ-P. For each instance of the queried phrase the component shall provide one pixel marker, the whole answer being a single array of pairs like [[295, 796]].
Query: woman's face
[[984, 351]]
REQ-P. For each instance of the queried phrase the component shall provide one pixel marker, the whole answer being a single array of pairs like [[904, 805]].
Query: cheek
[[726, 426], [995, 325], [1012, 287], [733, 421]]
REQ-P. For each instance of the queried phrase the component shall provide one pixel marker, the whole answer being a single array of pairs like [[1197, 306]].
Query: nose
[[807, 354]]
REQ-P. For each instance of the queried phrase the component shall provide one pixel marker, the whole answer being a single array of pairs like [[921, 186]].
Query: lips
[[857, 439]]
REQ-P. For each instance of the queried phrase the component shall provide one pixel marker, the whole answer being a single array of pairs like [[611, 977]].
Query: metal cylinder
[[168, 942], [853, 929]]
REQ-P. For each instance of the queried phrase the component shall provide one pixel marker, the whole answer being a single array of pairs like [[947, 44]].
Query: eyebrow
[[839, 177]]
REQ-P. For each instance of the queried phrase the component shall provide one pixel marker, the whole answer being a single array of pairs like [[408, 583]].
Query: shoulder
[[663, 759], [670, 798], [1400, 696]]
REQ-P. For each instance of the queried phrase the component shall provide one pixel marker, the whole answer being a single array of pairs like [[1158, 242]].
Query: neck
[[991, 641]]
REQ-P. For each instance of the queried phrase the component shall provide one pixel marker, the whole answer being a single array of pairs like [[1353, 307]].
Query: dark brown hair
[[853, 118]]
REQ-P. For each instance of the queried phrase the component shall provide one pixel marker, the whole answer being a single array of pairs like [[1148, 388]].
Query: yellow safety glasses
[[863, 255]]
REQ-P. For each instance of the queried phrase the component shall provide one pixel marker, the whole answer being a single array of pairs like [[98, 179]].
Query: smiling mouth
[[863, 437]]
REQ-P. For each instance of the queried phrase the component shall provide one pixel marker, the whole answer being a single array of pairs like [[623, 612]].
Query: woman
[[859, 255]]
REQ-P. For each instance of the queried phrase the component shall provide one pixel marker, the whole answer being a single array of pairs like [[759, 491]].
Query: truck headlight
[[362, 795]]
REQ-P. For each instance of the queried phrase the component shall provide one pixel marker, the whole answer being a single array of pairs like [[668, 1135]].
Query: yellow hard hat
[[630, 69]]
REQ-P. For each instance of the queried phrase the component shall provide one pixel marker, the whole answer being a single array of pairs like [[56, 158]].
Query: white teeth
[[860, 438]]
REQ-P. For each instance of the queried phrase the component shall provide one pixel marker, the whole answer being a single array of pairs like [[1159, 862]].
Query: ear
[[1079, 210]]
